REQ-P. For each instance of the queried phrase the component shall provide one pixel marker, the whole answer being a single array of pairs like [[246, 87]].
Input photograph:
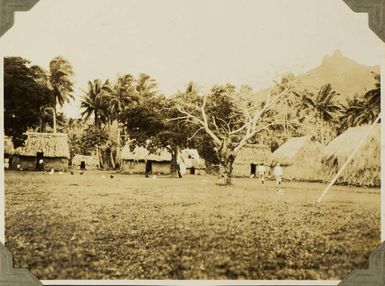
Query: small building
[[85, 162], [8, 147], [141, 161], [300, 159], [365, 167], [51, 147], [194, 164], [248, 158]]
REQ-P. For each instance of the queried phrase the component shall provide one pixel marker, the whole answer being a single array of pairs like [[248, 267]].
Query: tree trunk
[[118, 146], [54, 118], [225, 171], [322, 134], [174, 161], [112, 159]]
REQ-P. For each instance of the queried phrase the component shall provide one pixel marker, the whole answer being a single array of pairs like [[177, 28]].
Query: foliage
[[95, 104], [361, 109], [26, 97], [60, 73], [91, 139]]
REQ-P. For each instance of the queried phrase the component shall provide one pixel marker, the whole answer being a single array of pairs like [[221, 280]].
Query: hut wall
[[29, 163], [363, 170], [250, 154], [133, 167], [161, 168], [91, 162], [306, 164]]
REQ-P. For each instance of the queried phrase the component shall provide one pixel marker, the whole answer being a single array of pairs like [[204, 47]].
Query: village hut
[[85, 162], [249, 157], [194, 164], [51, 147], [8, 151], [141, 161], [300, 158], [365, 167], [8, 147]]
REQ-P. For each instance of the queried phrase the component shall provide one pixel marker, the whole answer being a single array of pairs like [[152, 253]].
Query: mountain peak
[[337, 59]]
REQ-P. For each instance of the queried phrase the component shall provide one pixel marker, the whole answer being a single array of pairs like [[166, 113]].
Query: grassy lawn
[[65, 226]]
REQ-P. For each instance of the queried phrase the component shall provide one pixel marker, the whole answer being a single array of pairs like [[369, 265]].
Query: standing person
[[41, 164], [261, 170], [278, 173]]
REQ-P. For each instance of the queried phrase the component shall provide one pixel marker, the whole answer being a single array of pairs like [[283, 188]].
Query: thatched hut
[[8, 147], [194, 164], [141, 161], [365, 167], [51, 147], [249, 157], [85, 162], [300, 158]]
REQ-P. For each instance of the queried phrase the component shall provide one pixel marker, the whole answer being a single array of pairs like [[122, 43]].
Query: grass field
[[65, 226]]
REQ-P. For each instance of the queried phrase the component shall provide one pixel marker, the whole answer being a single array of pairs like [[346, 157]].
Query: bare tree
[[231, 119]]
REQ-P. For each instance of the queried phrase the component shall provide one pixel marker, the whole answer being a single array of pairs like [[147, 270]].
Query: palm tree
[[324, 105], [373, 99], [352, 113], [145, 85], [60, 72], [94, 102]]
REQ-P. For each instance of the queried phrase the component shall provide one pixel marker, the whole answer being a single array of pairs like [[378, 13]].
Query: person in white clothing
[[261, 170], [278, 173]]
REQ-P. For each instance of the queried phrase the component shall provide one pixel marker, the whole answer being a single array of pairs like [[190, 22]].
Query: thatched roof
[[191, 158], [8, 145], [142, 154], [286, 154], [54, 145], [343, 145], [253, 153]]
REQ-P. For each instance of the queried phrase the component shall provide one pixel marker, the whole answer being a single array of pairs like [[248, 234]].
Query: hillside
[[346, 76]]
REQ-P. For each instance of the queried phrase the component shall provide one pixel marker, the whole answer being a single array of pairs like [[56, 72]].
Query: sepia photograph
[[191, 140]]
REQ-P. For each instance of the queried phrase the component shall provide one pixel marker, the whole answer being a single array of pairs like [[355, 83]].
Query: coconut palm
[[60, 72], [324, 106], [94, 102], [352, 113], [373, 100]]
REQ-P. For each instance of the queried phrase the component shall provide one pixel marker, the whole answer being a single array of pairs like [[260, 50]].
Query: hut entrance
[[148, 168], [192, 171], [253, 169], [82, 165], [39, 156]]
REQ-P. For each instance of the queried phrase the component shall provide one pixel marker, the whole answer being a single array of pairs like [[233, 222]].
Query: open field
[[65, 226]]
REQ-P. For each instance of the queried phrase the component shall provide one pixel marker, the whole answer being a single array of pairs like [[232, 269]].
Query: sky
[[207, 41]]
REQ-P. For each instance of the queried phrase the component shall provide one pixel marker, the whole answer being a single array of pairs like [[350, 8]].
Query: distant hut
[[8, 147], [141, 161], [300, 158], [8, 151], [249, 157], [51, 147], [85, 162], [194, 164], [365, 167]]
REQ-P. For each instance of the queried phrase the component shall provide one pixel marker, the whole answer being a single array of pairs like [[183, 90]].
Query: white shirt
[[261, 169], [278, 171]]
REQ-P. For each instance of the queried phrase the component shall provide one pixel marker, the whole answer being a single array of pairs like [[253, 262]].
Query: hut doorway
[[253, 169], [148, 168], [82, 165], [39, 156], [192, 171]]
